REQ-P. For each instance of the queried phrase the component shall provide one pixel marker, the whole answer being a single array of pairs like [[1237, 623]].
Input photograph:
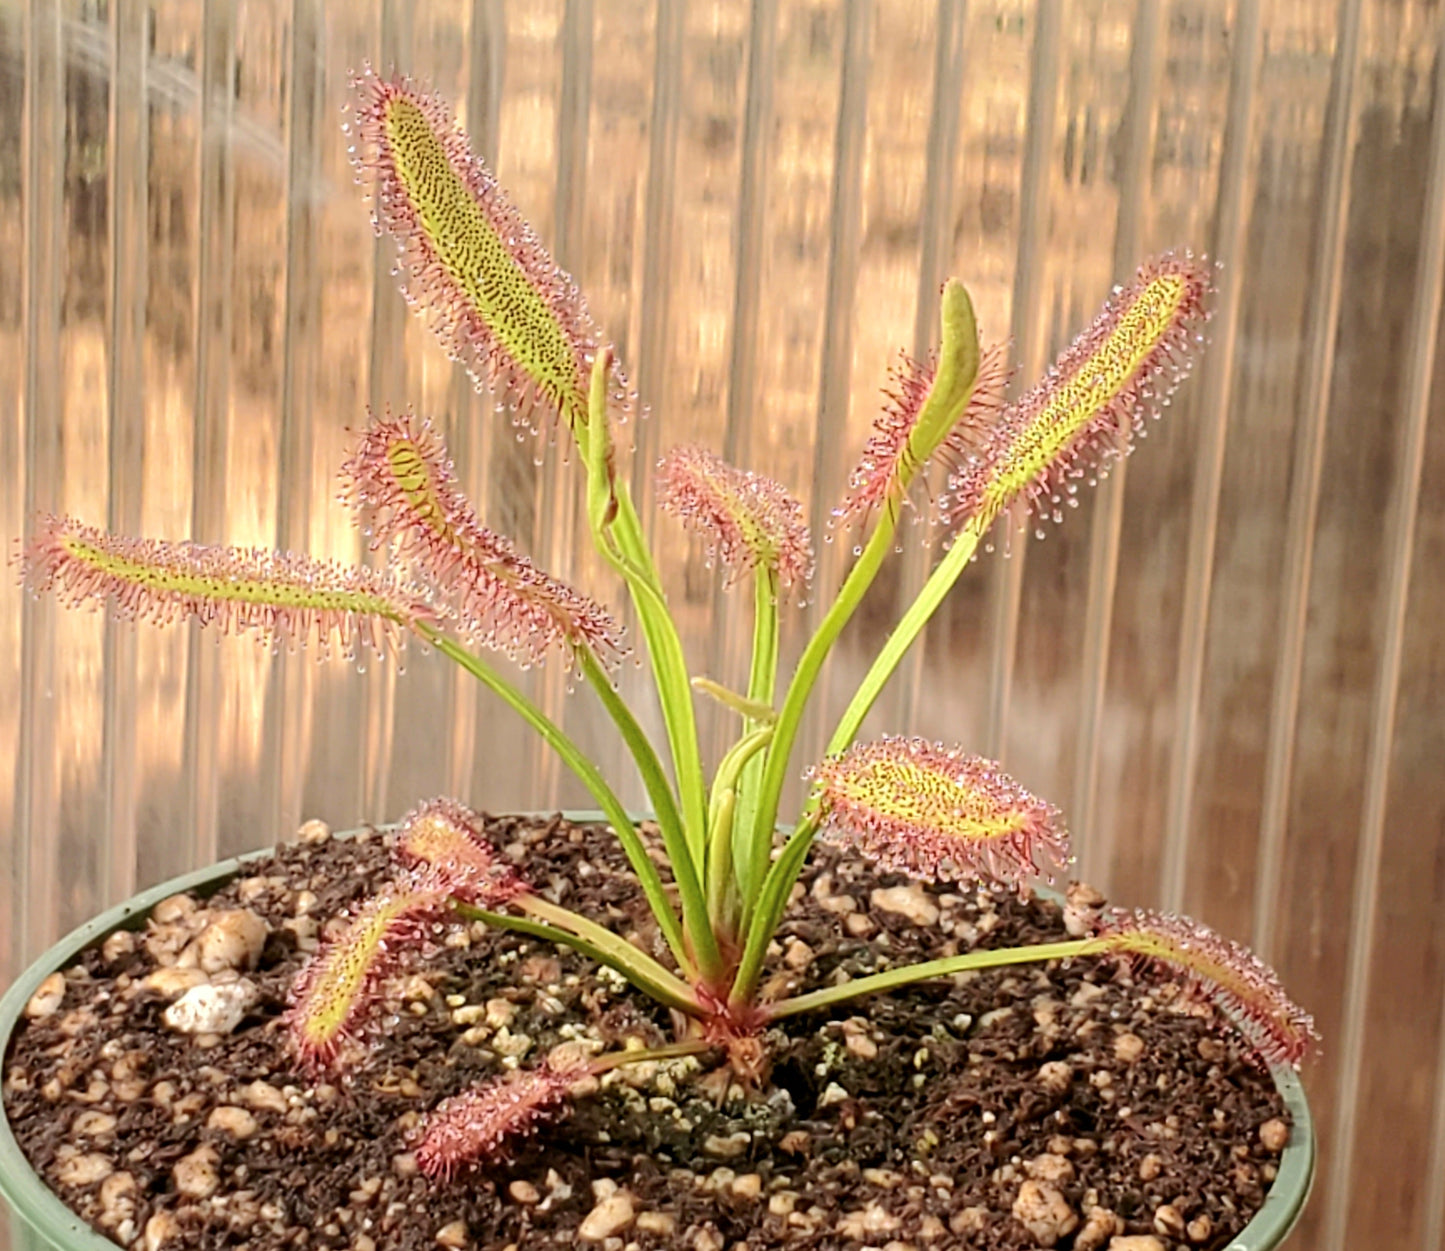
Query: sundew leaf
[[400, 477], [445, 837], [1094, 400], [748, 520], [282, 597], [336, 990], [887, 462], [1221, 971], [936, 812], [474, 1127], [492, 295]]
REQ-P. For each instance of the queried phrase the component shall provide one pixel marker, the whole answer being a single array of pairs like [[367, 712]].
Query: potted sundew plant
[[692, 1030]]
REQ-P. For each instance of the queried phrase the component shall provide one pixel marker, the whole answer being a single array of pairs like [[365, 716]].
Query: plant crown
[[504, 310]]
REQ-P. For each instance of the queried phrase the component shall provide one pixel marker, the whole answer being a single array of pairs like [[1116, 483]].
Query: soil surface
[[1068, 1106]]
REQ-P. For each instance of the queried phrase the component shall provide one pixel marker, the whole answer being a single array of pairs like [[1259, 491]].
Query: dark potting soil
[[1041, 1106]]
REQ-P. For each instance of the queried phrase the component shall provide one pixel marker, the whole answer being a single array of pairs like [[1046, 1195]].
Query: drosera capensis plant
[[499, 305]]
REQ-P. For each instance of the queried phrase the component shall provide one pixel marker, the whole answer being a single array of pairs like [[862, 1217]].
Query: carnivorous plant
[[499, 305]]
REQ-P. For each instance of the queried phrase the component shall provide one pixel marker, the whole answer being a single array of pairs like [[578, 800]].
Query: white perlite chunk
[[1044, 1212], [1135, 1242], [912, 902], [211, 1009], [611, 1216], [46, 999], [233, 940]]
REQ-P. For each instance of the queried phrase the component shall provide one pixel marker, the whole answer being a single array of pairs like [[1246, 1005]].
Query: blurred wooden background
[[1228, 666]]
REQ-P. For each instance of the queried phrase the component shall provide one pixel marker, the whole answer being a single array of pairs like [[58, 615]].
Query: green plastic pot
[[39, 1221]]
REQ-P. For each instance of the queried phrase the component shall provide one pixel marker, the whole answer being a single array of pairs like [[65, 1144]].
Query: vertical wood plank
[[1214, 385], [473, 434], [1029, 329], [387, 385], [751, 220], [558, 480], [215, 233], [1093, 845], [129, 171], [1307, 465], [657, 244], [934, 252], [290, 700], [836, 365], [36, 915], [1398, 550]]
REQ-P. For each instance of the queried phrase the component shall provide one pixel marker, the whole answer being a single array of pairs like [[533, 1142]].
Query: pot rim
[[34, 1204]]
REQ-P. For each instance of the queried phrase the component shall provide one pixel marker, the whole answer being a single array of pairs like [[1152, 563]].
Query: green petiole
[[945, 967]]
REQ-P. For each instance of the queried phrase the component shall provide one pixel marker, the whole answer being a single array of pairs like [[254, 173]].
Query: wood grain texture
[[1231, 662]]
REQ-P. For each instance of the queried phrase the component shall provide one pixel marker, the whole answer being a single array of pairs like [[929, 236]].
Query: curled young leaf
[[475, 1126], [1094, 399], [1221, 971], [496, 300], [934, 812], [279, 595], [748, 520], [446, 838], [336, 989], [890, 457], [400, 476]]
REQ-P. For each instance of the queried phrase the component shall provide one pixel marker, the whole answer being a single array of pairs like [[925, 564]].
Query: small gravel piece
[[263, 1097], [83, 1170], [611, 1216], [47, 997], [1100, 1224], [195, 1175], [1054, 1169], [1044, 1212], [1128, 1048], [173, 908], [1168, 1221], [1274, 1134], [453, 1234], [1056, 1076], [237, 1122], [172, 983], [910, 901], [313, 832], [161, 1229], [233, 940]]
